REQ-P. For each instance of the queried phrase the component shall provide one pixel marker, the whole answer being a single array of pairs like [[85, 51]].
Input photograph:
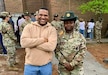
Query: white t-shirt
[[22, 20], [90, 25], [82, 25]]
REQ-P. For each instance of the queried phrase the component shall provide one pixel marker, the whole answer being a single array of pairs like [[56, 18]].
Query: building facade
[[2, 6]]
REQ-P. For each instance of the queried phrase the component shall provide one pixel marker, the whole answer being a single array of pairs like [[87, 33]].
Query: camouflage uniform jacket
[[24, 24], [9, 38], [77, 25], [71, 48], [98, 25], [57, 24]]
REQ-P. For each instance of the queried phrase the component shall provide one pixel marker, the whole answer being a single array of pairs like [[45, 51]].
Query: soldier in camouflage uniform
[[71, 48], [98, 27], [27, 21], [76, 25], [9, 39], [57, 23]]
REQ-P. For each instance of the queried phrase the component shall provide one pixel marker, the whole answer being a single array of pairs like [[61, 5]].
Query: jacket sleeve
[[52, 41], [28, 42], [10, 32]]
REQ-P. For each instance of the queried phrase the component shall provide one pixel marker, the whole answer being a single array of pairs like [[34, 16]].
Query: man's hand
[[45, 40], [68, 66]]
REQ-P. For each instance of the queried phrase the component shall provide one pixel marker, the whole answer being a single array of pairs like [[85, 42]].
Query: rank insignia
[[68, 15]]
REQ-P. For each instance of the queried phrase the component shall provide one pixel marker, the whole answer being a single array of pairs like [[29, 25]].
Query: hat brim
[[26, 15], [55, 16], [69, 19]]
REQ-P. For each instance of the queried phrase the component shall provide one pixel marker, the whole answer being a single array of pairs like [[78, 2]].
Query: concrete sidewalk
[[92, 67], [103, 40]]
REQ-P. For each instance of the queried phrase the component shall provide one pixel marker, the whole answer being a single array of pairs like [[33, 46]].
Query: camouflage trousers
[[98, 35], [11, 54], [77, 71]]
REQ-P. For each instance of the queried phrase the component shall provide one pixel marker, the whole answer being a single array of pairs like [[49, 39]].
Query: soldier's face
[[7, 18], [27, 17], [43, 17], [56, 18], [69, 25]]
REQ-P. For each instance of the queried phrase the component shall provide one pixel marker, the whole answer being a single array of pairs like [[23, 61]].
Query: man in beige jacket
[[39, 40]]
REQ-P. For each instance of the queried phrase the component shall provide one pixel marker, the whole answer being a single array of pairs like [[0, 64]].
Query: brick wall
[[2, 5], [14, 6], [60, 6], [33, 5], [20, 6]]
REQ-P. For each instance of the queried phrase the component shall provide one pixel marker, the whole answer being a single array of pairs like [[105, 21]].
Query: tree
[[98, 7]]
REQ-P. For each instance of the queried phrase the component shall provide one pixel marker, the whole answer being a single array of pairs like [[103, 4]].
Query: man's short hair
[[44, 8]]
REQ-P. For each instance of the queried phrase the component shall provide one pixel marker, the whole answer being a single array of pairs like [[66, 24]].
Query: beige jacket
[[38, 52]]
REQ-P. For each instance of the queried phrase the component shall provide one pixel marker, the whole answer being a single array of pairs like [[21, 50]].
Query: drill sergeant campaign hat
[[69, 15], [4, 14]]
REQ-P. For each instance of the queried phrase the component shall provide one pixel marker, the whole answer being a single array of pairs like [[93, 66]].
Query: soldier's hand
[[68, 66]]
